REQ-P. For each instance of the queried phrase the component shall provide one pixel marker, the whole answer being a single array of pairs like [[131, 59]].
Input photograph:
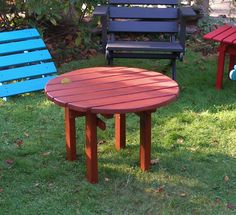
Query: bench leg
[[91, 148], [220, 67], [109, 58], [70, 135], [120, 131], [145, 140], [173, 64]]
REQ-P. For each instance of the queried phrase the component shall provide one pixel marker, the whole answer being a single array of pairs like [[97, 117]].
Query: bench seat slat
[[24, 86], [29, 57], [153, 2], [27, 71], [18, 35], [12, 47], [143, 26], [140, 13], [144, 46]]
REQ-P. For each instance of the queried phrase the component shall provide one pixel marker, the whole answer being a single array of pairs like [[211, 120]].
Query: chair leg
[[232, 60], [220, 67], [109, 58], [110, 61], [173, 63]]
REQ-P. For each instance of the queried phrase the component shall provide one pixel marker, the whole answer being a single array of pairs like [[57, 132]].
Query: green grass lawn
[[193, 144]]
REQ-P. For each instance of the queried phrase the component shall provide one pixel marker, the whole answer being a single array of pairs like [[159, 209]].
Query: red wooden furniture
[[226, 35], [110, 91]]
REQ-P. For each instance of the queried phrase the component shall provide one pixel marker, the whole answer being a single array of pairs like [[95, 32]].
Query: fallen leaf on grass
[[26, 134], [231, 206], [160, 189], [217, 201], [45, 154], [1, 190], [19, 142], [36, 185], [180, 140], [226, 178], [9, 161], [101, 142], [50, 185], [106, 179], [155, 161], [183, 194]]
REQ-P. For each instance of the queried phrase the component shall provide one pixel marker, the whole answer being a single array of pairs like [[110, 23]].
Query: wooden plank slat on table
[[79, 97], [126, 89], [107, 83], [103, 88], [84, 74], [135, 106], [216, 32], [225, 34], [92, 82], [231, 39], [91, 104]]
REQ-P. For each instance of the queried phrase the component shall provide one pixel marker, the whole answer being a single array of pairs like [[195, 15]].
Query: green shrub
[[41, 12]]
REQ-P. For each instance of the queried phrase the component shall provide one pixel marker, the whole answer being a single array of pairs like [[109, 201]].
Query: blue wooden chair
[[25, 63], [136, 17]]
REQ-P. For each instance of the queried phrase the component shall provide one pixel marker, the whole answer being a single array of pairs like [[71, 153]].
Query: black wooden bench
[[163, 20]]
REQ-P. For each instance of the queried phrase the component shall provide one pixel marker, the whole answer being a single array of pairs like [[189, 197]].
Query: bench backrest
[[25, 63], [146, 16]]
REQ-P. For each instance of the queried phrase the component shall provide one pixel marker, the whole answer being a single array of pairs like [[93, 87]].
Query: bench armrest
[[100, 11], [187, 12]]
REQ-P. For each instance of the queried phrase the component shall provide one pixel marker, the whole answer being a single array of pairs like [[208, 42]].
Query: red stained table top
[[225, 34], [112, 90]]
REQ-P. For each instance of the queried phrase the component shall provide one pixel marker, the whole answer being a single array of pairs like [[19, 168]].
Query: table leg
[[120, 131], [145, 140], [220, 67], [70, 135], [91, 148]]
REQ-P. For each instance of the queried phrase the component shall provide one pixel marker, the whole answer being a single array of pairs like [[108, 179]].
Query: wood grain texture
[[112, 90], [120, 131], [216, 32], [91, 148], [70, 135], [145, 140]]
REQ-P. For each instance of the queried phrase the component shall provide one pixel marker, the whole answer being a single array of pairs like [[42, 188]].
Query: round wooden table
[[110, 91]]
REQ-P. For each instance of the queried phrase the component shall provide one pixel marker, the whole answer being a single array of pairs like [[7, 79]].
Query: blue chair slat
[[18, 35], [12, 47], [25, 63], [24, 86], [23, 58], [27, 71]]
